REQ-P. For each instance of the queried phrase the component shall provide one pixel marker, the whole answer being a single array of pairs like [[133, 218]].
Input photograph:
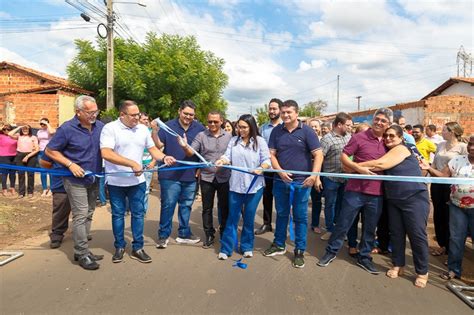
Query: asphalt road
[[189, 279]]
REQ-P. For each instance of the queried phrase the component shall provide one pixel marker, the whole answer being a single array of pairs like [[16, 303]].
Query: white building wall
[[460, 88], [413, 116]]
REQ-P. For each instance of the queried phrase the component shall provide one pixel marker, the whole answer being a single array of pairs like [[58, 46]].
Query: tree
[[313, 109], [157, 74], [262, 115]]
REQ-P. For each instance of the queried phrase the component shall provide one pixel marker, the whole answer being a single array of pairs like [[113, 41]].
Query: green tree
[[157, 74], [313, 109], [262, 115]]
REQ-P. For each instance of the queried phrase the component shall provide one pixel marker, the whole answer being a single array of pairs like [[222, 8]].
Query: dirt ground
[[188, 279]]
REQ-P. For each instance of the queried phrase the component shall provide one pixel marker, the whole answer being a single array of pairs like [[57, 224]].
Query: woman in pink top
[[44, 134], [27, 149], [7, 156]]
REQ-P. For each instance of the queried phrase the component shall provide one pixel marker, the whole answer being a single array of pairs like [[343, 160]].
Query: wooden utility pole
[[110, 55]]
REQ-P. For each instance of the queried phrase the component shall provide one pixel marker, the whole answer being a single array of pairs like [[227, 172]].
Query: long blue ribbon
[[416, 179]]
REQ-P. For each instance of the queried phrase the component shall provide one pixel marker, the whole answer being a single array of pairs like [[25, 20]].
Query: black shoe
[[326, 259], [368, 266], [92, 256], [263, 229], [208, 242], [55, 244], [298, 261], [87, 263], [141, 256], [118, 256]]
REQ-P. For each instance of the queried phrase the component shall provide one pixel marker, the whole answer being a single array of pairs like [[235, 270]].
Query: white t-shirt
[[129, 143], [462, 195]]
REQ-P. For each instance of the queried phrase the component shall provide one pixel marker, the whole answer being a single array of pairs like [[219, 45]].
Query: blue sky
[[385, 51]]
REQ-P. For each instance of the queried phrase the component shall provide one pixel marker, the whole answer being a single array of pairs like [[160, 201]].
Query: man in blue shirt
[[265, 130], [75, 146], [293, 146], [177, 186]]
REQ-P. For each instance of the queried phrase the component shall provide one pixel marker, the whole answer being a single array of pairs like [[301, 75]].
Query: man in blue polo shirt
[[75, 145], [293, 146], [178, 186]]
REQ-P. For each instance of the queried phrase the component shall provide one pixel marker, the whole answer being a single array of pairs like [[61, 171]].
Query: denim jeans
[[316, 206], [44, 176], [333, 193], [352, 203], [148, 178], [461, 223], [281, 191], [118, 196], [176, 192], [249, 204], [102, 194]]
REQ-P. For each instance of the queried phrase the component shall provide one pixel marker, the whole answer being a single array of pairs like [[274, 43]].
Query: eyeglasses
[[187, 114], [213, 122], [90, 113], [42, 124], [389, 135], [382, 120]]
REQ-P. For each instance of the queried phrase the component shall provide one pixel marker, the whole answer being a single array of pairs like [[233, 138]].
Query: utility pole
[[358, 102], [337, 101], [110, 55], [464, 62]]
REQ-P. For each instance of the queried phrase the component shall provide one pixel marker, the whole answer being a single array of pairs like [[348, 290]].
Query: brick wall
[[444, 108], [12, 80], [30, 108]]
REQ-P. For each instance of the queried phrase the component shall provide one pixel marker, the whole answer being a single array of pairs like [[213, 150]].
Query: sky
[[387, 52]]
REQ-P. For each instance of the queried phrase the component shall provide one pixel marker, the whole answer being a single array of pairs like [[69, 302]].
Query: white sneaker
[[326, 236], [248, 254], [222, 256], [189, 240]]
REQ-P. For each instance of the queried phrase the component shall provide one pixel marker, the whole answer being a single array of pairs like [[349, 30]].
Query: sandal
[[353, 252], [317, 230], [421, 280], [394, 272], [377, 250], [438, 251], [448, 275]]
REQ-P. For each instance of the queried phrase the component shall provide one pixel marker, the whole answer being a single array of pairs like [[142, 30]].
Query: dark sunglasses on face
[[42, 124], [213, 122], [390, 135]]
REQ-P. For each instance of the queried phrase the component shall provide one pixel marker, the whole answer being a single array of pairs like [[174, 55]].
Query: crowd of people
[[278, 162]]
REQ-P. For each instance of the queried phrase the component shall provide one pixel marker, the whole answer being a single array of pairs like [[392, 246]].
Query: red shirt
[[365, 146]]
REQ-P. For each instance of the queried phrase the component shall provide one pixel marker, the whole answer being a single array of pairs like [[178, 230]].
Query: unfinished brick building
[[451, 101], [27, 95]]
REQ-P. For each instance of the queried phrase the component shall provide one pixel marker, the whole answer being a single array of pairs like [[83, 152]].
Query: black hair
[[290, 103], [398, 131], [45, 119], [276, 100], [253, 130], [232, 125], [422, 129], [431, 127], [341, 118], [30, 132], [187, 103]]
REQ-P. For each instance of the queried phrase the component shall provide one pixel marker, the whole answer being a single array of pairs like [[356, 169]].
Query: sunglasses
[[42, 124], [390, 135], [213, 122]]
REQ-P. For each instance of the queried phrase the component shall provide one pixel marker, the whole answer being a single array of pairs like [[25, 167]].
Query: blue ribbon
[[239, 264]]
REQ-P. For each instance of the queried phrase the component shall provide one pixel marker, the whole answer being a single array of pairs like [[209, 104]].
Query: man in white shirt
[[122, 143], [432, 135]]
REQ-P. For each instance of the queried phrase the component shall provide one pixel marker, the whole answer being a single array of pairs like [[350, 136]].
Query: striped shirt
[[332, 145]]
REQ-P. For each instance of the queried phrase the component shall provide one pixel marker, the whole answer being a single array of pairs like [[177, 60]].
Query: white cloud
[[315, 64]]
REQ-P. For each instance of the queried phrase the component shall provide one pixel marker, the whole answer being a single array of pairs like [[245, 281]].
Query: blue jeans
[[461, 223], [333, 194], [175, 192], [316, 206], [148, 178], [43, 176], [249, 202], [118, 196], [102, 195], [281, 191], [352, 203]]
